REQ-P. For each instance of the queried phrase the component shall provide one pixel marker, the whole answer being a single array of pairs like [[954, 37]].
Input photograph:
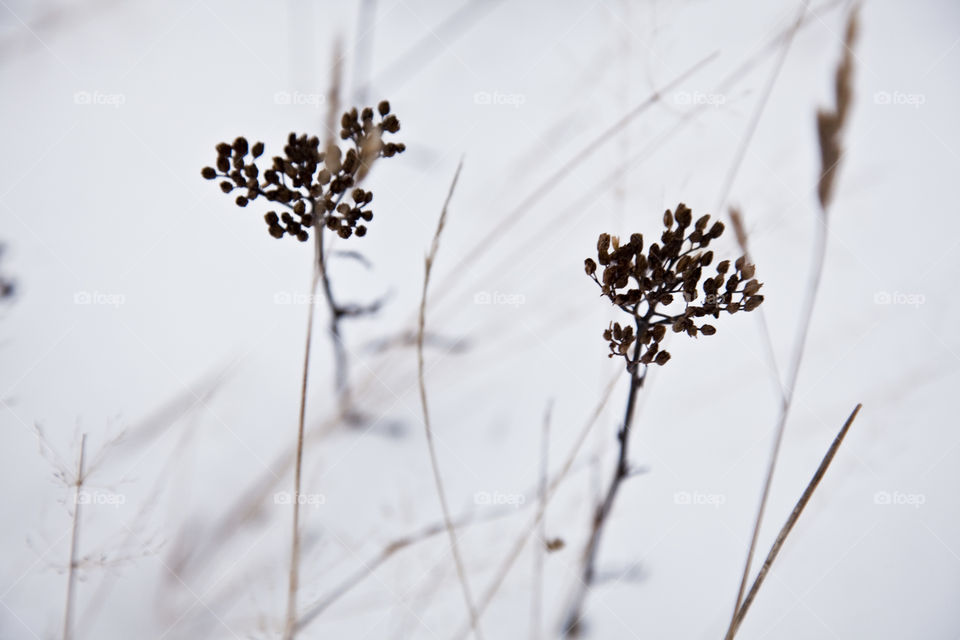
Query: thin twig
[[434, 464], [791, 521], [74, 541]]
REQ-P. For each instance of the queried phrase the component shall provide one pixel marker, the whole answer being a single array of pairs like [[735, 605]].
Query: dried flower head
[[662, 287], [311, 182]]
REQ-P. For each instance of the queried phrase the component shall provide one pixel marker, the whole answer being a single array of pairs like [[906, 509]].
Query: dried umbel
[[311, 182], [667, 286]]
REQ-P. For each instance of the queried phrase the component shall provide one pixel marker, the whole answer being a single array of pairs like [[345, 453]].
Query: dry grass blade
[[74, 539], [791, 521], [434, 464], [830, 153]]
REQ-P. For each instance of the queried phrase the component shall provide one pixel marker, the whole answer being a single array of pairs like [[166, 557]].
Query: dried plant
[[650, 287], [312, 185], [658, 288]]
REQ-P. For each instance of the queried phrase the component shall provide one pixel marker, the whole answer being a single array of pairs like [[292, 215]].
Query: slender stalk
[[74, 541], [434, 464], [571, 625], [791, 521], [831, 125], [341, 373]]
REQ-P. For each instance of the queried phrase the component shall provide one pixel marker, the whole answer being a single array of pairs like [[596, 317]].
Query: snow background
[[105, 199]]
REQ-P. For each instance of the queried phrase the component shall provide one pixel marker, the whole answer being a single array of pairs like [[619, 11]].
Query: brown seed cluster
[[312, 182], [662, 287]]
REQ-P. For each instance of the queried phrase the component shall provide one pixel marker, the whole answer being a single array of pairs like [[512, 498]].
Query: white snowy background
[[110, 110]]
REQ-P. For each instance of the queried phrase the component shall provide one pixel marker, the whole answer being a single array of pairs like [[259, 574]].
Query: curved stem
[[421, 379], [341, 372]]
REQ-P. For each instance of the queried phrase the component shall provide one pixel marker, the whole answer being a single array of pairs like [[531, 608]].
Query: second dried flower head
[[662, 287]]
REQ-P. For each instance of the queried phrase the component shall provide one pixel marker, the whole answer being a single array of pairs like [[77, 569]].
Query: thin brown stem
[[290, 625], [789, 524], [421, 378], [74, 542]]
